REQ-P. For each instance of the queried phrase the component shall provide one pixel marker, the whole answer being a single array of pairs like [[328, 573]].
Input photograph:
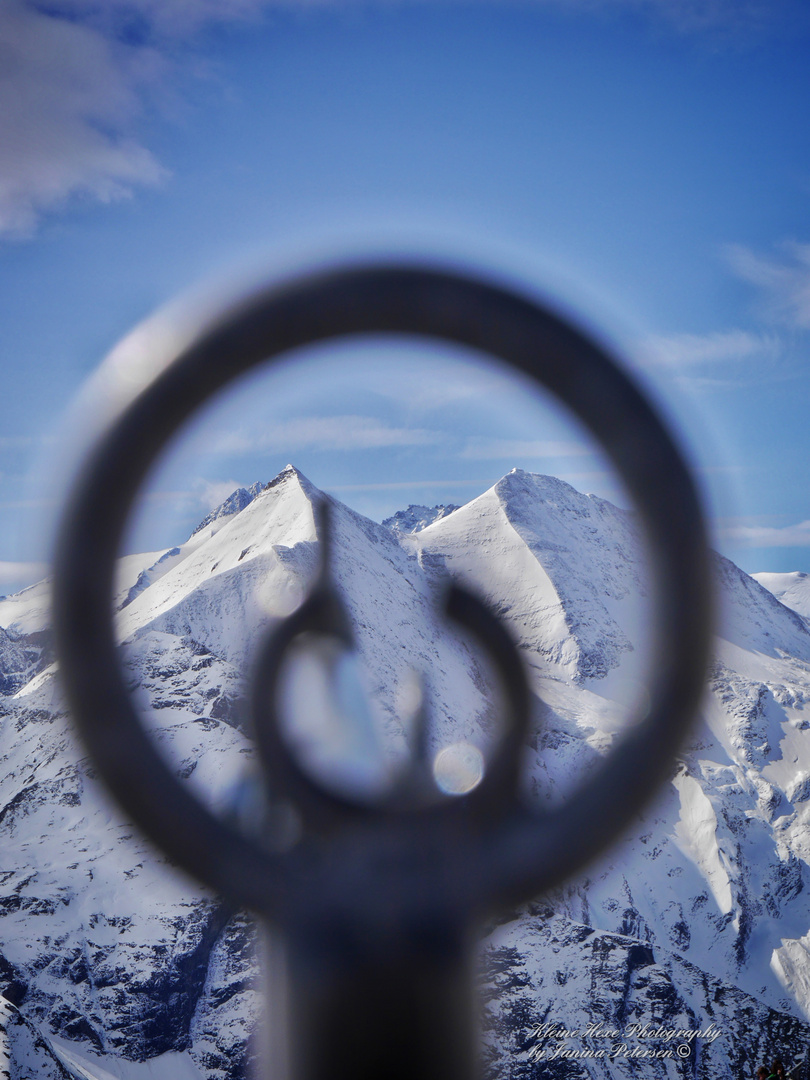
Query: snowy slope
[[793, 590], [701, 914], [522, 543], [719, 868], [27, 611], [91, 919], [234, 504], [85, 1065]]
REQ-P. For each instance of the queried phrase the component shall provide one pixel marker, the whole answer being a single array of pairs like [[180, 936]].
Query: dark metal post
[[378, 902], [401, 1014]]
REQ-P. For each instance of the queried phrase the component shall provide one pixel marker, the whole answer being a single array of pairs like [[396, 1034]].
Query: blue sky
[[644, 163]]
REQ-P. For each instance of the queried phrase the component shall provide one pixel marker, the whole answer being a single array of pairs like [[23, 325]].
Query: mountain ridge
[[705, 899]]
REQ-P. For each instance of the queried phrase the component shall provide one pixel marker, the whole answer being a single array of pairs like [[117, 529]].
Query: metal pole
[[377, 903]]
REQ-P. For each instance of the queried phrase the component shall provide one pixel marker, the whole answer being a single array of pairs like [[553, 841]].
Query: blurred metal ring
[[527, 852]]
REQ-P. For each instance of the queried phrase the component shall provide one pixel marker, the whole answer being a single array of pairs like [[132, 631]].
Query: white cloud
[[77, 75], [783, 280], [513, 449], [325, 433], [691, 350], [68, 101], [767, 536]]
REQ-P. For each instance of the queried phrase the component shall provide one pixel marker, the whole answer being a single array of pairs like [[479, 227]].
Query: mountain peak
[[290, 473], [242, 497], [523, 494], [701, 912], [418, 517], [518, 481]]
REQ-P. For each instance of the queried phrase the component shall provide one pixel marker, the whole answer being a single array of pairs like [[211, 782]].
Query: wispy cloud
[[783, 279], [766, 536], [212, 493], [701, 16], [12, 573], [14, 442], [325, 433], [736, 22], [516, 449], [720, 346], [397, 485], [77, 78], [79, 75], [69, 98]]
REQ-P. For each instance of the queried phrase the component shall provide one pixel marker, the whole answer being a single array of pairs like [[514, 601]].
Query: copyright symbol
[[684, 1050]]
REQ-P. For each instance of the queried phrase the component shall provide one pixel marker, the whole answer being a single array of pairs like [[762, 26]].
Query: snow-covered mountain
[[792, 589], [113, 965], [417, 517]]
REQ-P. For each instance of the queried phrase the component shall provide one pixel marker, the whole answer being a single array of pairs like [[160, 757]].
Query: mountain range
[[112, 964]]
